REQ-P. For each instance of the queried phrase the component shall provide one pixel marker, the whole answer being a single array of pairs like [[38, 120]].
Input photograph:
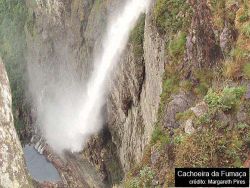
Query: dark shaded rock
[[201, 48], [226, 119], [227, 38], [180, 103], [241, 115]]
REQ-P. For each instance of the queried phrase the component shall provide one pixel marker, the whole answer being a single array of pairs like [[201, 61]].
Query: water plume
[[75, 122]]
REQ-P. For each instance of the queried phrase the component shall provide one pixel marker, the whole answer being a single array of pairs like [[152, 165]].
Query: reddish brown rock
[[201, 48]]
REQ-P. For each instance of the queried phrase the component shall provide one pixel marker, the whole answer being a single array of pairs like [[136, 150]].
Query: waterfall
[[69, 112], [113, 45]]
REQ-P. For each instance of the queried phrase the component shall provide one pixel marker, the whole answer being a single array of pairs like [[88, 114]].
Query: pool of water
[[39, 167]]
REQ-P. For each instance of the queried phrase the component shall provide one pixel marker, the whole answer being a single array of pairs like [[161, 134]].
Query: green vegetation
[[144, 179], [183, 116], [204, 78], [170, 86], [246, 29], [177, 45], [220, 139], [213, 147], [244, 16], [225, 100], [218, 10], [171, 16], [246, 70], [13, 16], [137, 37], [160, 136], [233, 67]]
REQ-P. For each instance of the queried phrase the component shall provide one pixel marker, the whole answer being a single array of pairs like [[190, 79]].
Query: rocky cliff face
[[135, 96], [185, 62], [70, 32], [12, 166]]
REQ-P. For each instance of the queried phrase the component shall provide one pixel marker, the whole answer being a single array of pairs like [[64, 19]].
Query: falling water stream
[[85, 119], [113, 45]]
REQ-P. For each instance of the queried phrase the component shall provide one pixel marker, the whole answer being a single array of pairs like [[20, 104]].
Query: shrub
[[171, 15], [146, 176], [159, 135], [231, 96], [204, 119], [226, 100], [212, 99], [170, 85], [144, 179], [201, 89], [134, 183]]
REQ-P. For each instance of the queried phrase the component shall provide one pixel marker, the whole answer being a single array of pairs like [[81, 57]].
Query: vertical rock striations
[[12, 167], [70, 32], [135, 95], [201, 48]]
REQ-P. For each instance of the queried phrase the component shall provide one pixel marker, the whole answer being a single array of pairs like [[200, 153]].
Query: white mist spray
[[114, 44], [72, 128]]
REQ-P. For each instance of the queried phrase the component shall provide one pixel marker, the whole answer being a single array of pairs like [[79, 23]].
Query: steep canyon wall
[[67, 34]]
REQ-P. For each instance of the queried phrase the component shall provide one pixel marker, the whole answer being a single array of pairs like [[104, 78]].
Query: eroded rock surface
[[201, 48], [135, 95], [71, 32], [12, 166]]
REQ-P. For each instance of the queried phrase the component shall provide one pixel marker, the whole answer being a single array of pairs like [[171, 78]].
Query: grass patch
[[184, 116], [176, 46], [225, 100], [137, 37], [233, 67], [171, 16], [143, 179], [246, 70], [213, 147], [245, 29], [170, 85], [159, 136], [244, 16], [204, 79]]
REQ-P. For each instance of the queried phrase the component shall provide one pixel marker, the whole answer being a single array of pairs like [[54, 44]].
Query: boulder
[[180, 103], [188, 126], [200, 109]]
